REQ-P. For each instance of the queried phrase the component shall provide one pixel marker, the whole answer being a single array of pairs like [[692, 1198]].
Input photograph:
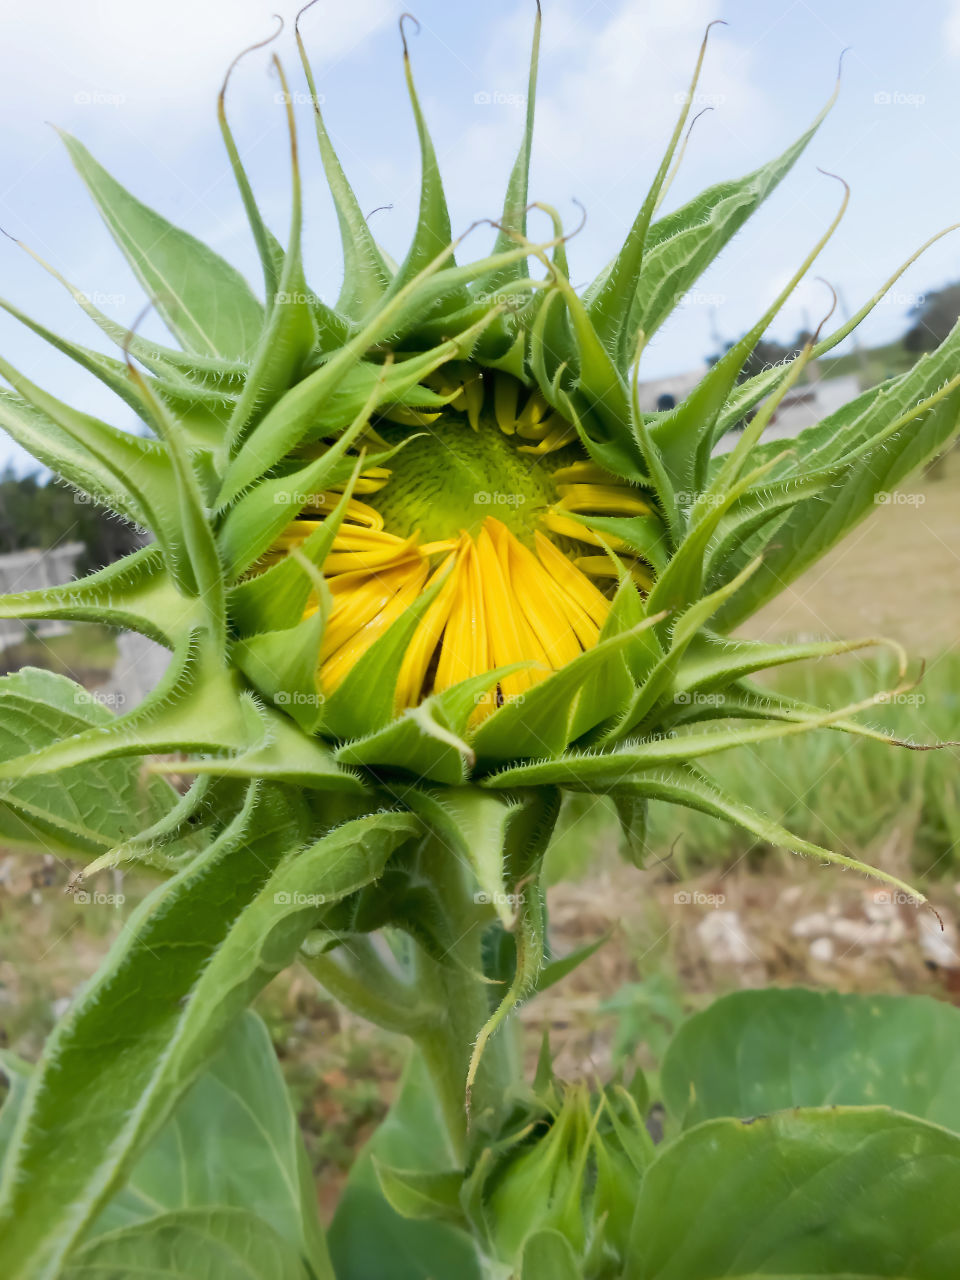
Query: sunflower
[[480, 516]]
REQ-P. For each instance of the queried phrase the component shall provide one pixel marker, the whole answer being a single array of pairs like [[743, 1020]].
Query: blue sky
[[137, 83]]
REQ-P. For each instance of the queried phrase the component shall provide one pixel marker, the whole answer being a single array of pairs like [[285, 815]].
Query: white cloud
[[158, 59], [612, 79]]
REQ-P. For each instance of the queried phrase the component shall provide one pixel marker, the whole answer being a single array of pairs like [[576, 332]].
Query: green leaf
[[368, 1239], [812, 527], [753, 1052], [514, 216], [205, 302], [86, 809], [17, 1075], [417, 742], [547, 1255], [432, 233], [413, 1193], [548, 717], [233, 1142], [682, 245], [366, 276], [194, 954], [852, 1194], [191, 1244]]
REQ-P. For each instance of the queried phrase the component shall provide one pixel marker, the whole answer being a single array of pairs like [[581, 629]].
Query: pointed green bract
[[206, 302]]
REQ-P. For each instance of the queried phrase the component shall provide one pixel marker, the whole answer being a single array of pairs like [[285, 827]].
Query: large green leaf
[[192, 957], [753, 1052], [233, 1142], [230, 1160], [191, 1244], [854, 1194], [368, 1239], [86, 809]]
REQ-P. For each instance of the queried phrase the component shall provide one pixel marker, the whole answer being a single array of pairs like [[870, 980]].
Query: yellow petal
[[419, 655], [336, 668]]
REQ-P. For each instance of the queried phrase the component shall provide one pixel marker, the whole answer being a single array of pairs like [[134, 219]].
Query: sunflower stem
[[456, 983]]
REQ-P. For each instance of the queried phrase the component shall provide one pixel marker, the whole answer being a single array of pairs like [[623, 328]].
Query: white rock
[[811, 926], [939, 946], [724, 939], [822, 949]]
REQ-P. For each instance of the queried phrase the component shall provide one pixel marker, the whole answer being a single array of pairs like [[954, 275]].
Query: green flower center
[[450, 478]]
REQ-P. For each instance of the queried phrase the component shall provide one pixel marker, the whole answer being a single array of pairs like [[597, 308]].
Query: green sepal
[[366, 276], [685, 435], [432, 232], [290, 333], [282, 665], [644, 535], [280, 752], [514, 215], [612, 296], [548, 1255], [680, 246], [660, 682], [417, 742], [548, 717], [344, 388], [277, 598], [196, 706], [205, 302], [475, 831], [417, 1194], [135, 592]]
